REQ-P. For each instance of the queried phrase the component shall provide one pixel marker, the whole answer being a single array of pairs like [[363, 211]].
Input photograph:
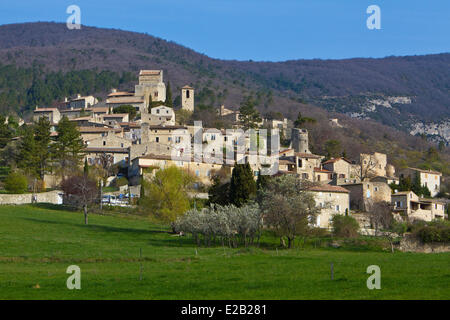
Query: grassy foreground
[[38, 244]]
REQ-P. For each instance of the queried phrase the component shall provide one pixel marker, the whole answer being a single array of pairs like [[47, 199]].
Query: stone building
[[408, 204], [151, 84], [366, 193], [373, 165], [332, 200], [428, 178], [341, 167], [82, 102], [305, 164], [52, 114], [187, 98], [159, 116]]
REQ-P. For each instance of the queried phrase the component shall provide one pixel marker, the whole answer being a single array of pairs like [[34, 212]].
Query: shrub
[[436, 231], [122, 181], [16, 182], [344, 226]]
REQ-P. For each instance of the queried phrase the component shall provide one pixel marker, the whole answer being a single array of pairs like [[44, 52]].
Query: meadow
[[38, 243]]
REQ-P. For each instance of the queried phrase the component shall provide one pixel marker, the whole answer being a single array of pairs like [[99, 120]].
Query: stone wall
[[54, 197], [411, 244]]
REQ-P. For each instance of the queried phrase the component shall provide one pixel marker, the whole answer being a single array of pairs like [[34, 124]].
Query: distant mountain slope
[[397, 91]]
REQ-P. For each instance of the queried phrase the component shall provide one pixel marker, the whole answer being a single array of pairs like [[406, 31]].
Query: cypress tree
[[86, 167], [262, 181], [242, 185], [169, 102], [42, 141]]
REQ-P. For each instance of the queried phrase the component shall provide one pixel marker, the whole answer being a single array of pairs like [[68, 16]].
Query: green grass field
[[39, 243]]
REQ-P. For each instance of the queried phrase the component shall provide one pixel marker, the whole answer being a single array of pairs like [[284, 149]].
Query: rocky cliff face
[[436, 131]]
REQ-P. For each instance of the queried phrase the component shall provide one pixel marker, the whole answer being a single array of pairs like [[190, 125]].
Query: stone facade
[[340, 167], [187, 98], [409, 205], [52, 114], [429, 178], [332, 200], [366, 193]]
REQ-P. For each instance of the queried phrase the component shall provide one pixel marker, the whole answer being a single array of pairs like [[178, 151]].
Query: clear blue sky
[[261, 29]]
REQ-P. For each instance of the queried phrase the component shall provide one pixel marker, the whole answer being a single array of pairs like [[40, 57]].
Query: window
[[169, 139], [157, 139], [300, 163], [376, 188], [213, 137], [104, 143], [187, 94], [338, 208], [177, 139], [197, 173], [156, 93], [318, 177], [121, 145], [157, 111]]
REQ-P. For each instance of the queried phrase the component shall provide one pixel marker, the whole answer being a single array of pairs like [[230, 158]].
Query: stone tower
[[151, 84], [187, 98], [299, 140]]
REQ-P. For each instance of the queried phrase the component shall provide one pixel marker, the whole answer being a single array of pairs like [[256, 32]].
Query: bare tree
[[80, 191], [366, 167], [381, 217]]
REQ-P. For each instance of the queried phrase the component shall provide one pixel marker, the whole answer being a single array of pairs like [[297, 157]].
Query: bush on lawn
[[344, 226], [436, 231], [16, 182]]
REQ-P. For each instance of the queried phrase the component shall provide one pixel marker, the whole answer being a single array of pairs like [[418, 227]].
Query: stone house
[[52, 114], [199, 169], [428, 178], [82, 102], [365, 193], [90, 133], [408, 204], [332, 200], [305, 164], [340, 167], [160, 116], [137, 102], [115, 118]]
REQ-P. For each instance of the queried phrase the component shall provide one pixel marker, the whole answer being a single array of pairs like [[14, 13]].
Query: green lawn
[[38, 244]]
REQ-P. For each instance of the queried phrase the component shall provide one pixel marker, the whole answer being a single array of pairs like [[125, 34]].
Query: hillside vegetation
[[41, 63]]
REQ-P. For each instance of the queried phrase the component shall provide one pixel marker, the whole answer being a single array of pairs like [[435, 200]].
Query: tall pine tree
[[68, 147], [28, 158]]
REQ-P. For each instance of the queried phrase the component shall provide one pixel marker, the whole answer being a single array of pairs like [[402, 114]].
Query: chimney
[[113, 90], [78, 95], [65, 99]]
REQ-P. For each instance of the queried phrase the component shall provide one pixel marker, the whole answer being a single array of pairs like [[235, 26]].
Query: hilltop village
[[135, 131]]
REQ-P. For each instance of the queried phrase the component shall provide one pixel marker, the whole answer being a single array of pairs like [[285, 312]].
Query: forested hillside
[[44, 62]]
